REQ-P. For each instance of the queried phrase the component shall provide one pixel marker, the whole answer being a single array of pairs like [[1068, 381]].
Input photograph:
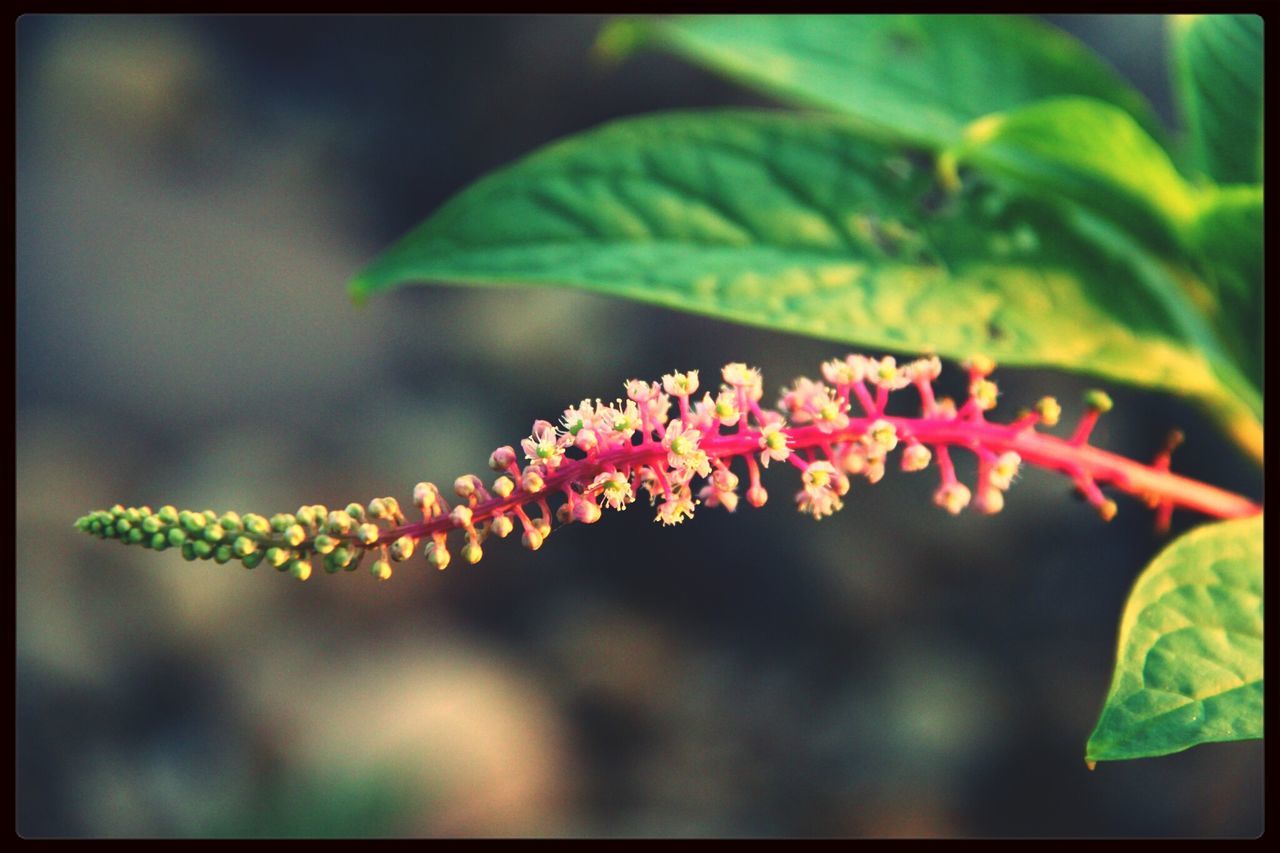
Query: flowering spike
[[606, 453]]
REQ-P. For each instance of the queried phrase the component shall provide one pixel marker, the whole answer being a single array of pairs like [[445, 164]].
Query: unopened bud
[[502, 526], [367, 533], [586, 512], [756, 496], [1097, 400], [461, 516], [300, 569], [438, 556], [531, 539], [471, 552], [1107, 509], [989, 501], [501, 459], [378, 509], [425, 494], [381, 569], [464, 486], [402, 549], [503, 487], [980, 364], [531, 481], [295, 535]]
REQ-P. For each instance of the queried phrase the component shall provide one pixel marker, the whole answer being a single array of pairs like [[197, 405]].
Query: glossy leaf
[[916, 78], [1226, 237], [799, 223], [1092, 153], [1189, 662], [1218, 75]]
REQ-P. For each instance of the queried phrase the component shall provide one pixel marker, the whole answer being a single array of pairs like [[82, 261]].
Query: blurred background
[[194, 192]]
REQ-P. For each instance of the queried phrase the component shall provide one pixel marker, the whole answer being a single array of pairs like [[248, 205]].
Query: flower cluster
[[607, 455]]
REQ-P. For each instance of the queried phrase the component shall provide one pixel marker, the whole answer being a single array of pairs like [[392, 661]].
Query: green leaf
[[1217, 62], [1189, 662], [914, 78], [1092, 153], [799, 223], [1095, 155], [1226, 238]]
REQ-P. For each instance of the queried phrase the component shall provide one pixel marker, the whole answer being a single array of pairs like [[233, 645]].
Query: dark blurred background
[[193, 194]]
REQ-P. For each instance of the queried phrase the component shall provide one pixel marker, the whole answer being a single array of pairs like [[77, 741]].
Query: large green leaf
[[1090, 152], [1226, 239], [799, 223], [917, 78], [1096, 155], [1218, 74], [1189, 664]]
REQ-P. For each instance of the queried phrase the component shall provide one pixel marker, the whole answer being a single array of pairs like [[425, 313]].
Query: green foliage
[[913, 78], [1217, 62], [1189, 665], [979, 184]]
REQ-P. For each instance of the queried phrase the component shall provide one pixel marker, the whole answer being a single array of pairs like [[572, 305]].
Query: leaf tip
[[617, 40], [358, 291]]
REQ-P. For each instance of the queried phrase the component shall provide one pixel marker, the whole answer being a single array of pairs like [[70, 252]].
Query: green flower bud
[[214, 532], [117, 511], [231, 522], [191, 522], [136, 535], [281, 522], [471, 553], [251, 561], [123, 526], [367, 533], [278, 557], [295, 535], [300, 569], [203, 549], [378, 509], [324, 544], [159, 542], [176, 536], [402, 549], [340, 522], [168, 514], [222, 554], [244, 546], [355, 511], [342, 555], [306, 516], [437, 556], [330, 564], [151, 524], [188, 551], [381, 569], [1097, 400], [256, 524]]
